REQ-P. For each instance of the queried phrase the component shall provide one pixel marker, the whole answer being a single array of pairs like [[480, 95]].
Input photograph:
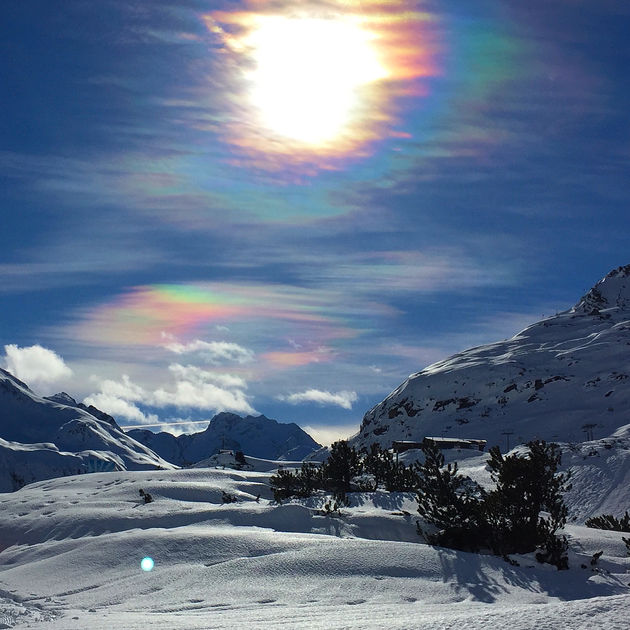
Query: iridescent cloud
[[153, 315], [369, 55], [204, 158], [296, 358]]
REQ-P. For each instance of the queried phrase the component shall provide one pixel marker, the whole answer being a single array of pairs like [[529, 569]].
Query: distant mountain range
[[54, 436], [565, 378], [257, 436]]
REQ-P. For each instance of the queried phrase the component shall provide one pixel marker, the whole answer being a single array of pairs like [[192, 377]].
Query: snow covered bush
[[346, 470], [226, 497], [505, 520], [609, 522], [287, 484], [284, 485]]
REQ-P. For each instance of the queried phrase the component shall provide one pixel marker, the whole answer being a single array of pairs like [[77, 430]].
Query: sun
[[307, 76]]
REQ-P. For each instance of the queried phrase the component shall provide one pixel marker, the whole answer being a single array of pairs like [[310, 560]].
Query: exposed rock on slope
[[257, 436], [565, 378]]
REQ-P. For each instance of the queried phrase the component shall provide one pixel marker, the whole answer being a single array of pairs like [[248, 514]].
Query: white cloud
[[327, 434], [201, 389], [202, 396], [125, 389], [178, 426], [193, 388], [197, 375], [342, 399], [213, 352], [35, 365], [118, 407]]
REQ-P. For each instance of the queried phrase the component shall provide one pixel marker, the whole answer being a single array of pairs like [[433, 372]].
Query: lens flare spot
[[147, 564]]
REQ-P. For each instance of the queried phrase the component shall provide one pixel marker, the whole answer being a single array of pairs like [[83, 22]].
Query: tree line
[[522, 513], [346, 470]]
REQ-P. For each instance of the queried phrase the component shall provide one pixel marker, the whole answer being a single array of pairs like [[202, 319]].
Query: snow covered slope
[[257, 436], [70, 553], [565, 378], [43, 438], [25, 463]]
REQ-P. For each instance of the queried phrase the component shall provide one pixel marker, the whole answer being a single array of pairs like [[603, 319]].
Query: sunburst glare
[[313, 88], [309, 73]]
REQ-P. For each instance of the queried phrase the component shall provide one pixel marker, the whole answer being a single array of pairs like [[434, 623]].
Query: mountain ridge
[[257, 436], [51, 436], [42, 438], [557, 379]]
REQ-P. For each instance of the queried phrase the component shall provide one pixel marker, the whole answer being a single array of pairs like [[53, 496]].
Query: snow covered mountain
[[257, 436], [565, 378], [42, 438]]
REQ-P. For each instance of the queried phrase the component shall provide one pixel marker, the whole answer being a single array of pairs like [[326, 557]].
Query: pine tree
[[525, 486], [507, 519], [342, 465], [609, 522], [377, 463], [448, 501], [309, 479]]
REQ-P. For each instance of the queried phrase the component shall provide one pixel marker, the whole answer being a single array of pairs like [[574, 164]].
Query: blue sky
[[193, 221]]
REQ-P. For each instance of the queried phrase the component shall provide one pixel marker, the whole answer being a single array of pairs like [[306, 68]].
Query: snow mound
[[73, 547]]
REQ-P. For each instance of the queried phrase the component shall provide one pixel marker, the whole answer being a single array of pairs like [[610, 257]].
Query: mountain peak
[[257, 436], [612, 291], [62, 398], [561, 379], [14, 380]]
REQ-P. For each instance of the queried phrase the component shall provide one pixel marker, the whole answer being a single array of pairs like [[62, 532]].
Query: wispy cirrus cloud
[[143, 315]]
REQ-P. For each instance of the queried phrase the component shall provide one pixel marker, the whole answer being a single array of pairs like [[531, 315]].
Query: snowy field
[[70, 553]]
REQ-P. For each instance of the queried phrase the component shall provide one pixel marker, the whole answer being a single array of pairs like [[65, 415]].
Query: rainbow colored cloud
[[443, 66], [285, 326], [405, 46]]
